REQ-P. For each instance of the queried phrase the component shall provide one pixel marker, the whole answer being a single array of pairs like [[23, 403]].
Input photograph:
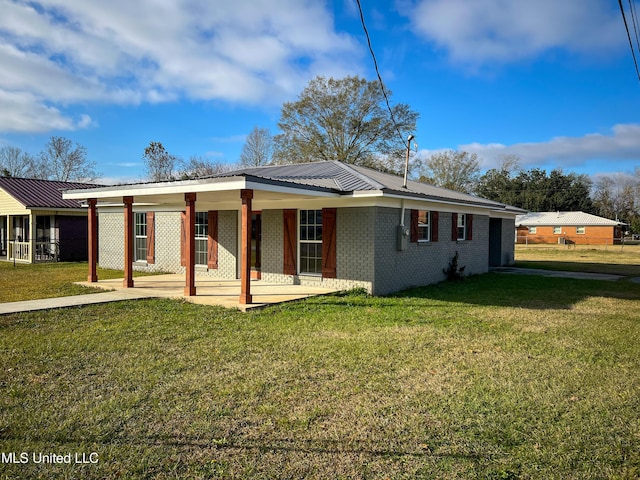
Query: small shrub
[[454, 272]]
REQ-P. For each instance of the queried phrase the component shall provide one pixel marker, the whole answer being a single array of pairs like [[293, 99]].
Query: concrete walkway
[[558, 274], [210, 291], [72, 301]]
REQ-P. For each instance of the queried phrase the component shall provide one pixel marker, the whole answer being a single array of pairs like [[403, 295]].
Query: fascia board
[[227, 184]]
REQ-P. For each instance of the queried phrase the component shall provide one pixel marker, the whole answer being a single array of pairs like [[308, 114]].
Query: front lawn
[[496, 377], [24, 281]]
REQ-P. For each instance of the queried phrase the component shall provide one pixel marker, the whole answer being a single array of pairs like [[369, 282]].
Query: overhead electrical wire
[[626, 26], [635, 22], [375, 64]]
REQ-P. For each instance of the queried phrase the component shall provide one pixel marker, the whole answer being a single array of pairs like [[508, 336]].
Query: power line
[[633, 53], [635, 23], [375, 64]]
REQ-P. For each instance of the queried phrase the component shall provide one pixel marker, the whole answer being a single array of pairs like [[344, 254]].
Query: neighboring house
[[37, 224], [323, 223], [567, 227]]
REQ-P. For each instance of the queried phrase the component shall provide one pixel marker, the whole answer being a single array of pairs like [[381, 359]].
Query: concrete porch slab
[[212, 291]]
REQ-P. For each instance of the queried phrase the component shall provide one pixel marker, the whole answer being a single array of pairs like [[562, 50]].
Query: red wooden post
[[190, 233], [93, 240], [128, 242], [245, 254]]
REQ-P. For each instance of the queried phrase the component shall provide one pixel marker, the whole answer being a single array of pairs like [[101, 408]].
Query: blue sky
[[550, 81]]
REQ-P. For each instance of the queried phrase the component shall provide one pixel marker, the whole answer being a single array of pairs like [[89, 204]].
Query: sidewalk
[[558, 274], [72, 301]]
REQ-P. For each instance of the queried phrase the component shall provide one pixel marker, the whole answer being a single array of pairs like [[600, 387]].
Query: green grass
[[47, 280], [496, 377], [616, 260]]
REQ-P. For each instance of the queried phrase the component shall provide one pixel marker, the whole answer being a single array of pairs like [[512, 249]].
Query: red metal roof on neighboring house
[[34, 193]]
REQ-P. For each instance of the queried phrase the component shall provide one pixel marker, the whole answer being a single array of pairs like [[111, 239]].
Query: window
[[140, 247], [581, 230], [202, 232], [311, 241], [462, 226], [557, 230], [424, 225], [533, 230]]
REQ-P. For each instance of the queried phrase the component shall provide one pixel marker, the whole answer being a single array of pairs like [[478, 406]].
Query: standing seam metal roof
[[34, 193], [352, 178]]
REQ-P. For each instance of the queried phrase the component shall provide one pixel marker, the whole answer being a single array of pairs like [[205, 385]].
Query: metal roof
[[563, 218], [352, 178], [331, 177], [34, 193]]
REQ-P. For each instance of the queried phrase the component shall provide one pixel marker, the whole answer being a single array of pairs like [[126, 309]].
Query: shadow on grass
[[295, 445], [524, 291], [493, 289]]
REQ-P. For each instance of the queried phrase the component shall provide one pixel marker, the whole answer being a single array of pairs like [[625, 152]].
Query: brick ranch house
[[567, 227], [38, 225], [322, 224]]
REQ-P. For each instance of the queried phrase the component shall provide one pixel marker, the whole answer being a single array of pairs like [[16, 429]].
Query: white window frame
[[462, 226], [557, 230], [581, 230], [140, 236], [424, 229], [309, 227], [533, 230], [201, 237]]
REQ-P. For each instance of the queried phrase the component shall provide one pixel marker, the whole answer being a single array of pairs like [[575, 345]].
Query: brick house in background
[[567, 227], [322, 224], [38, 225]]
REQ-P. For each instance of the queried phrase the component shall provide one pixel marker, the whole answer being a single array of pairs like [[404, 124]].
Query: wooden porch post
[[92, 224], [245, 254], [190, 227], [128, 242]]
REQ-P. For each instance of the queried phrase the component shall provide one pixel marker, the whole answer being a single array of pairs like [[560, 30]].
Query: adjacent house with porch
[[321, 224], [568, 228], [38, 225]]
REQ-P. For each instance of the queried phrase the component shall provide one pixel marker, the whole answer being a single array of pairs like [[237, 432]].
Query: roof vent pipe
[[406, 163]]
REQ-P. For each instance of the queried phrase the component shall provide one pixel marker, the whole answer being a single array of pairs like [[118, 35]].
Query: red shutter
[[454, 227], [469, 227], [151, 238], [212, 239], [329, 242], [183, 239], [414, 226], [434, 226], [289, 240]]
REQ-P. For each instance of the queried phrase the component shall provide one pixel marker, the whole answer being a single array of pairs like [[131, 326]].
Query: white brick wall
[[422, 263], [367, 254]]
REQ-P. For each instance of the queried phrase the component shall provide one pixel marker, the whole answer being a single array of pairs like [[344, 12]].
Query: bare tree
[[60, 160], [16, 163], [345, 119], [159, 163], [258, 148], [199, 166], [458, 171]]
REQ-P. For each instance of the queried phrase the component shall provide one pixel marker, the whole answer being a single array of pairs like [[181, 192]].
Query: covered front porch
[[197, 204], [212, 291], [29, 238]]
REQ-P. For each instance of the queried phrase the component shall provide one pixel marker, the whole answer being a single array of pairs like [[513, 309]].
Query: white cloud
[[70, 51], [623, 143], [478, 31]]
